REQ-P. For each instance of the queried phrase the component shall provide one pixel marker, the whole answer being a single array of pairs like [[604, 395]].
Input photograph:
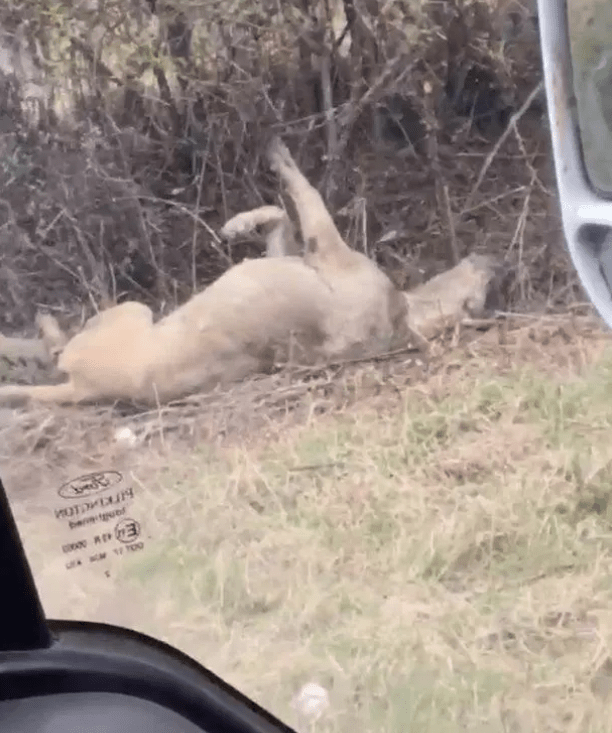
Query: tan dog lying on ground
[[332, 303]]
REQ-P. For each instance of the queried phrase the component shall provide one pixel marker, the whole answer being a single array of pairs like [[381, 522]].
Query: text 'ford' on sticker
[[90, 483]]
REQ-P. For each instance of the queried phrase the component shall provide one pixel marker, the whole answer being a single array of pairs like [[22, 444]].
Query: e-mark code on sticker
[[97, 508]]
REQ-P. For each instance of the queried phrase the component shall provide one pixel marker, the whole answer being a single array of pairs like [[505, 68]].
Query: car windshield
[[295, 372]]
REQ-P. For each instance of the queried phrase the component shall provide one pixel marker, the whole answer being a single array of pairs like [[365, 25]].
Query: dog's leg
[[52, 335], [43, 349], [319, 233], [275, 225], [281, 241], [55, 393], [246, 222]]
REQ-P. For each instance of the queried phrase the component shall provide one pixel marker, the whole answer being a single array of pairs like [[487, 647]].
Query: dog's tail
[[20, 394]]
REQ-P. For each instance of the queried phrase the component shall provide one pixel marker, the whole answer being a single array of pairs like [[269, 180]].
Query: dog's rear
[[106, 360]]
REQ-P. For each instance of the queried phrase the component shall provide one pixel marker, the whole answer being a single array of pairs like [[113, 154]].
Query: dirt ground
[[429, 542]]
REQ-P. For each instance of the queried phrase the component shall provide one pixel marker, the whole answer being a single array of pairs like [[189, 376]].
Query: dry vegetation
[[151, 119]]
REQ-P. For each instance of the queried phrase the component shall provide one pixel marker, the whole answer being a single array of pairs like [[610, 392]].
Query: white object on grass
[[311, 701], [126, 436]]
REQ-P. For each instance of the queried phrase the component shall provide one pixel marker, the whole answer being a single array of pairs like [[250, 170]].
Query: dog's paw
[[279, 156], [248, 222], [236, 226]]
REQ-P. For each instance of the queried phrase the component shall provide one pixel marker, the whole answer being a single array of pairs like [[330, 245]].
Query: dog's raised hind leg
[[319, 233]]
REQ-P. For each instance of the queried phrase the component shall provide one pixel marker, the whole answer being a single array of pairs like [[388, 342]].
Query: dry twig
[[502, 138]]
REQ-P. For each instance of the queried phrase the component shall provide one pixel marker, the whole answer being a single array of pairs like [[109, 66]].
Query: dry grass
[[438, 557]]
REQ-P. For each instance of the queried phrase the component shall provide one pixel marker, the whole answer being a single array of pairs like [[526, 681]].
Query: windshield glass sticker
[[99, 519]]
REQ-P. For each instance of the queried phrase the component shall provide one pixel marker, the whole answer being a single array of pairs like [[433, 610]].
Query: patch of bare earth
[[430, 540]]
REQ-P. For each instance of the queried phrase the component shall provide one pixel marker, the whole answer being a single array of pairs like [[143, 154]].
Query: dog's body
[[331, 303]]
